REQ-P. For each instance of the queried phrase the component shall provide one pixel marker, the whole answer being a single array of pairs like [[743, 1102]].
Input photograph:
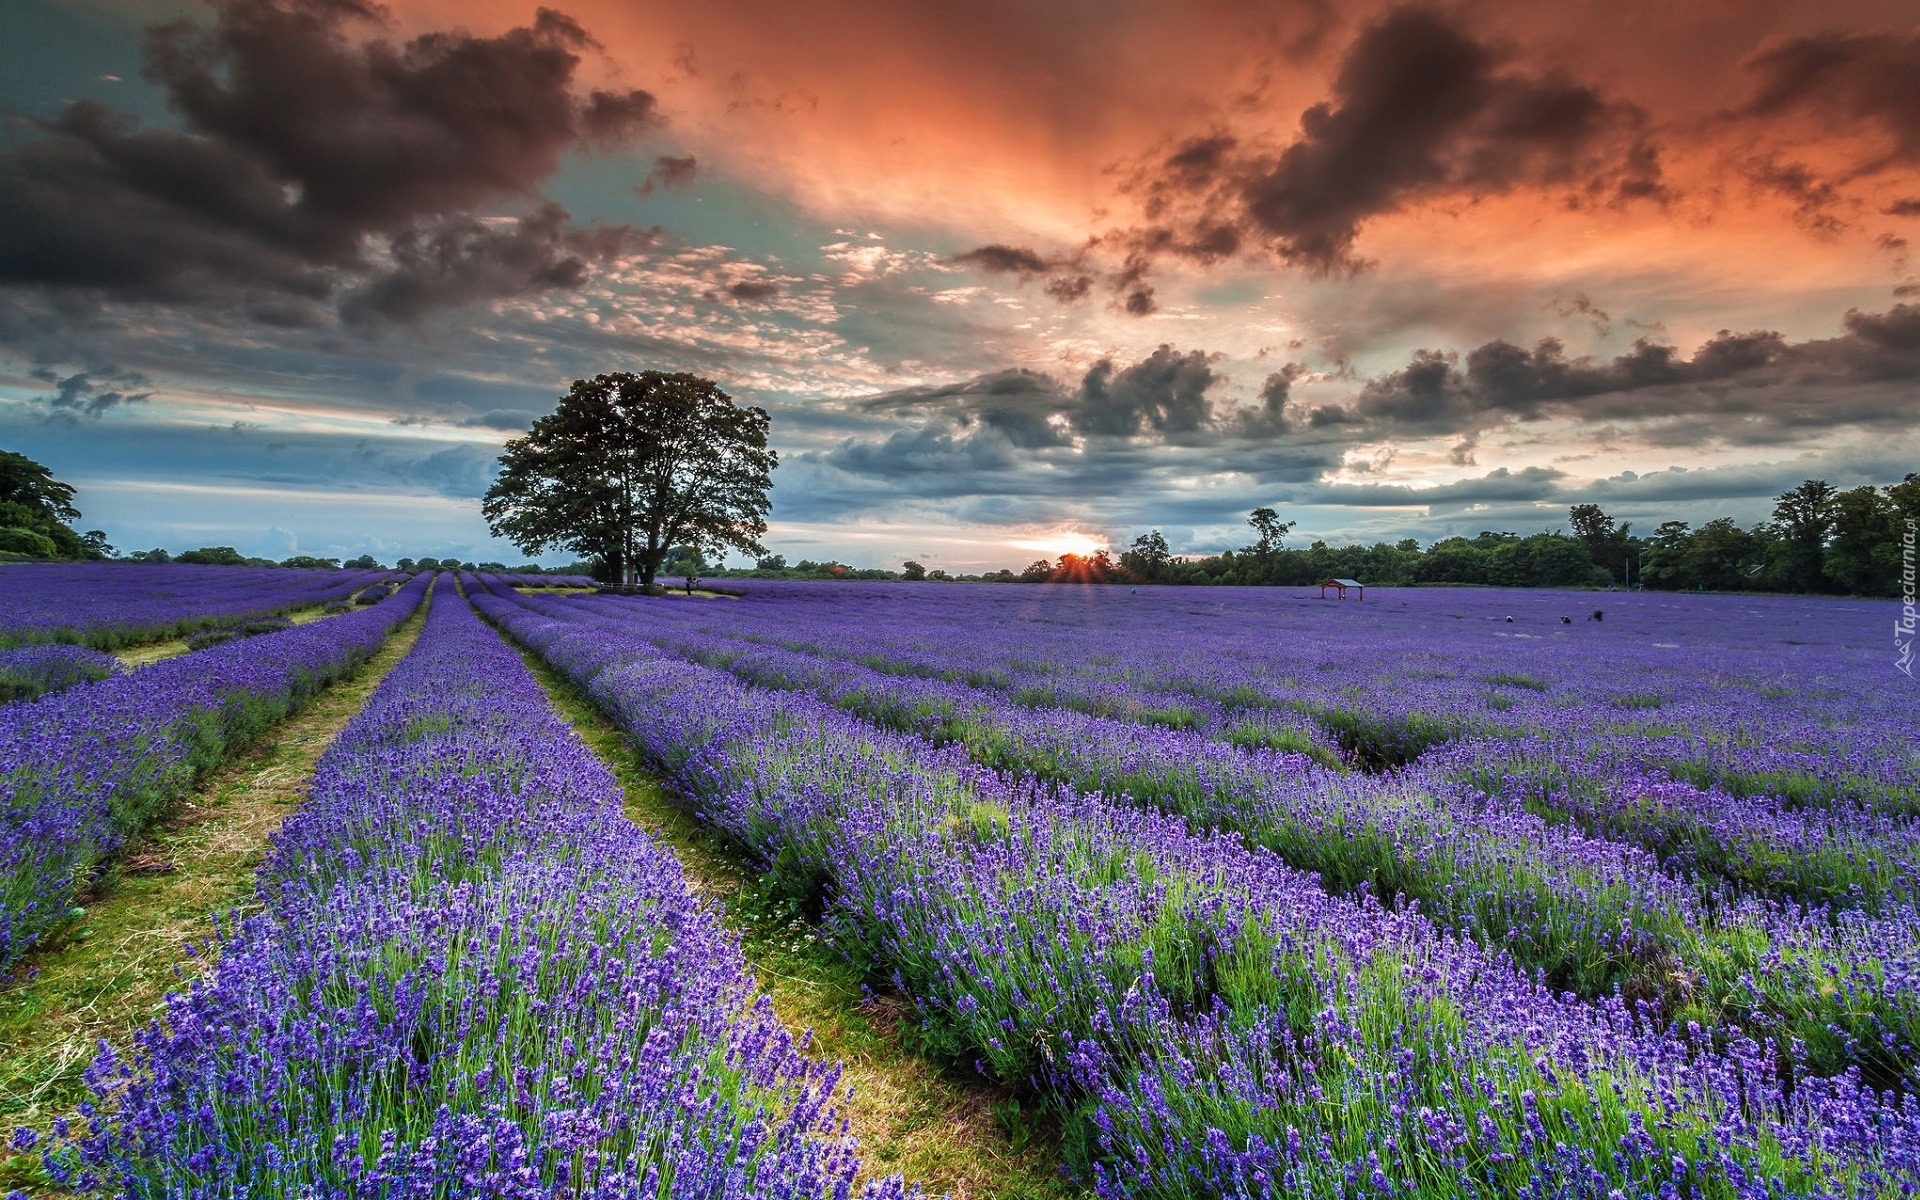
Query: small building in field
[[1341, 587]]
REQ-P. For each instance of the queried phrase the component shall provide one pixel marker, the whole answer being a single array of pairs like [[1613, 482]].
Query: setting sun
[[1066, 541]]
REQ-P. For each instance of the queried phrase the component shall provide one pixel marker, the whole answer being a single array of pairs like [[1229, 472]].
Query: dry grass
[[950, 1131], [108, 976]]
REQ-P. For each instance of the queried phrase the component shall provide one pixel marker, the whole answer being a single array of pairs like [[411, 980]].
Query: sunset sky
[[1011, 278]]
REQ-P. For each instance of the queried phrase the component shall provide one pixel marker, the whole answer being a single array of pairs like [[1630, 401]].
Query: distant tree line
[[227, 556], [37, 511], [1819, 539]]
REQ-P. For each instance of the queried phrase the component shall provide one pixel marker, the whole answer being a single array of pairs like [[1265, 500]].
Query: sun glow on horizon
[[1065, 541]]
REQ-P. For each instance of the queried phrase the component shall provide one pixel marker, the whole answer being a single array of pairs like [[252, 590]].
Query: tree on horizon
[[631, 466]]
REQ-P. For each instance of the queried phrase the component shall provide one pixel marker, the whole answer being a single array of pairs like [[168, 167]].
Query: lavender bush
[[1211, 1021], [30, 671], [473, 977], [109, 605], [1594, 914], [84, 770]]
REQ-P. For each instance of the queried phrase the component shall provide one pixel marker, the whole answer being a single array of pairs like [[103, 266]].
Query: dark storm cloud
[[753, 291], [1067, 276], [1754, 387], [91, 393], [1005, 260], [1846, 82], [1010, 444], [1145, 426], [1270, 417], [670, 171], [308, 150], [1814, 199], [1422, 110], [927, 451], [1164, 395], [461, 261], [1019, 406], [1500, 486], [1895, 333]]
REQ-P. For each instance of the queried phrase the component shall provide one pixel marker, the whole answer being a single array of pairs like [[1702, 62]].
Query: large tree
[[1609, 542], [630, 466], [1803, 519], [35, 509], [27, 483]]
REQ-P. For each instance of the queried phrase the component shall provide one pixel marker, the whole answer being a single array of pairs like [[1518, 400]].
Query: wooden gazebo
[[1340, 586]]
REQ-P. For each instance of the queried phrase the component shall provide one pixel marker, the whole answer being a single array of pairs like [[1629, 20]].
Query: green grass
[[105, 976], [952, 1133], [1518, 679]]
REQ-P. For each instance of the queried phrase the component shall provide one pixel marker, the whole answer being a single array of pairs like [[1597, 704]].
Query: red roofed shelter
[[1341, 585]]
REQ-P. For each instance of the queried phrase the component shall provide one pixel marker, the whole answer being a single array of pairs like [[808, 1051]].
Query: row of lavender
[[472, 976], [108, 605], [34, 670], [1780, 764], [1773, 771], [83, 770], [1757, 695], [1210, 1020], [1832, 983]]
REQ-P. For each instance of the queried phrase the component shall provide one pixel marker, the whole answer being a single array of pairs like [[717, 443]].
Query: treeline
[[227, 556], [37, 512], [1819, 539]]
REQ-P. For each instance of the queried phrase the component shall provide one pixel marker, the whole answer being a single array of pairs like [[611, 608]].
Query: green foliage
[[630, 466], [26, 483], [1803, 520], [1382, 741], [1820, 540], [1272, 530], [1863, 556], [1610, 546], [35, 509], [28, 542], [213, 556], [1150, 559]]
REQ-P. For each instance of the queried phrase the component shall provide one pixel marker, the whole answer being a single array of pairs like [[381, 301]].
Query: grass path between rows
[[107, 976], [956, 1135], [142, 653]]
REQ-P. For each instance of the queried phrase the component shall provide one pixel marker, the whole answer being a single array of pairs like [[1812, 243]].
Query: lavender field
[[1438, 894], [1236, 892], [107, 605]]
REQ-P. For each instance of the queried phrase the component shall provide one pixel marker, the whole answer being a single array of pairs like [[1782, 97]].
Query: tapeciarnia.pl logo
[[1903, 628]]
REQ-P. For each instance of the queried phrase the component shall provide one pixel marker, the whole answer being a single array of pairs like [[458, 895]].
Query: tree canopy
[[25, 482], [35, 509], [630, 466]]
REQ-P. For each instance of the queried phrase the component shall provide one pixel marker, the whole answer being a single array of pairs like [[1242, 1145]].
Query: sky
[[1010, 279]]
